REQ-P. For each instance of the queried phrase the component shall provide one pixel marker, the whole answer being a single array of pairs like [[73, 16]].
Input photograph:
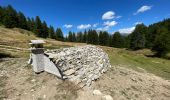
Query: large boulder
[[81, 64]]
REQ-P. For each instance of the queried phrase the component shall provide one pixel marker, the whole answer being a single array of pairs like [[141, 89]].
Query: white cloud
[[110, 23], [108, 15], [127, 30], [99, 29], [137, 23], [107, 25], [85, 26], [143, 9], [95, 25], [68, 26], [106, 28]]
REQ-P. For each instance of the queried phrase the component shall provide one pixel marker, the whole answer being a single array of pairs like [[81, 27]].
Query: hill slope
[[132, 76]]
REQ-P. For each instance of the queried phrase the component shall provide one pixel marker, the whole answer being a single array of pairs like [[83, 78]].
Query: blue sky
[[78, 15]]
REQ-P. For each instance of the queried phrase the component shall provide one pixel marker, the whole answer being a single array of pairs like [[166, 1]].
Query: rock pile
[[82, 64]]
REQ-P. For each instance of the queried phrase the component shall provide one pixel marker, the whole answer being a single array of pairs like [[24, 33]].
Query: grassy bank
[[137, 59]]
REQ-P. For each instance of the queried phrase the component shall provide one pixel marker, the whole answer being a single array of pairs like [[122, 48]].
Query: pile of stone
[[82, 64]]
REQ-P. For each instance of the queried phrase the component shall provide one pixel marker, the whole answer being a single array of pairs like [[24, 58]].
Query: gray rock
[[81, 64]]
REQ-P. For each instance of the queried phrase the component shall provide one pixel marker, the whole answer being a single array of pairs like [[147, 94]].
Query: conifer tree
[[74, 37], [104, 38], [85, 37], [38, 27], [162, 43], [117, 40], [31, 24], [59, 34], [51, 32], [79, 37], [10, 19], [70, 36], [44, 33], [1, 15], [22, 22], [138, 39]]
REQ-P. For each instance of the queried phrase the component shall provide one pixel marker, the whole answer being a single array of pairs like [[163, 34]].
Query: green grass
[[157, 66]]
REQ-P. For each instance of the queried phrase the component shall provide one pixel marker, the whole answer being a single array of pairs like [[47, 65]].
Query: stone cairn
[[82, 64]]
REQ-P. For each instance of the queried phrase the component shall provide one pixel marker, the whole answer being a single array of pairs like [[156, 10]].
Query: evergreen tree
[[51, 32], [89, 36], [138, 37], [44, 30], [110, 40], [162, 43], [104, 38], [29, 24], [117, 40], [101, 38], [127, 41], [95, 37], [70, 36], [59, 34], [79, 37], [10, 19], [92, 37], [66, 38], [1, 15], [22, 22], [85, 37], [74, 37], [38, 27]]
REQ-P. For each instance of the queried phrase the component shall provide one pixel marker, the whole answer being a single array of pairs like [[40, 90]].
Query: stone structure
[[39, 61], [82, 64]]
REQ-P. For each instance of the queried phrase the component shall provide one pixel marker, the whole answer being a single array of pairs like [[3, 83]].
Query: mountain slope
[[132, 75]]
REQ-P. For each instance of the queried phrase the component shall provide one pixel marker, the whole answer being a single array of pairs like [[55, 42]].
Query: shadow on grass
[[5, 55]]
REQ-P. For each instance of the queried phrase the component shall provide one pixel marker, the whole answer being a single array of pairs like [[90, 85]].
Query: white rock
[[107, 97], [33, 80], [78, 63], [32, 90], [69, 72], [44, 96], [97, 92]]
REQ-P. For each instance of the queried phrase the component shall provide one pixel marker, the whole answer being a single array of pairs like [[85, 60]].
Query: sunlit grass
[[157, 66]]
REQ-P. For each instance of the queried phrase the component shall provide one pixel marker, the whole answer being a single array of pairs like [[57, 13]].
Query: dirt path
[[124, 84], [22, 84], [18, 82]]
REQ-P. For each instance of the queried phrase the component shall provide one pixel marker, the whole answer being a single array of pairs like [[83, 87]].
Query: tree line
[[155, 36], [10, 18], [98, 38]]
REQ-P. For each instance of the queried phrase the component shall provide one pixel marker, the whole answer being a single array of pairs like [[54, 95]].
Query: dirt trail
[[122, 83], [119, 82], [21, 83]]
